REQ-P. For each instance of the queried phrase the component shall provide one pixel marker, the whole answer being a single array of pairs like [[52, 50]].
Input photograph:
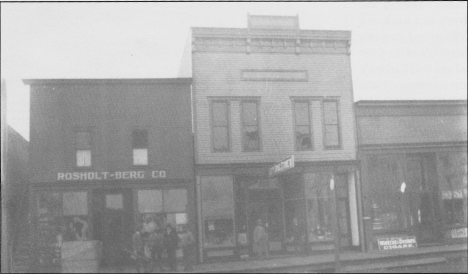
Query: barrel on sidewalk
[[81, 256]]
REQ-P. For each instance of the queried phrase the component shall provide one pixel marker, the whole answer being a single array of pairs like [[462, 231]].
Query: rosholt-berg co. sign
[[397, 243], [281, 166], [104, 175]]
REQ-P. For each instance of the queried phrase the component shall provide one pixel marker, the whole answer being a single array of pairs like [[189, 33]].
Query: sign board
[[397, 243], [118, 175], [459, 232], [281, 166]]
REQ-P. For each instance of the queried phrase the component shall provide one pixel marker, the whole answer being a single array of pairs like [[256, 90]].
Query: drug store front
[[93, 218], [232, 199]]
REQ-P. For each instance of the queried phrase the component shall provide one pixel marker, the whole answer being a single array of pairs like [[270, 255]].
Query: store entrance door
[[113, 225], [265, 202], [424, 204]]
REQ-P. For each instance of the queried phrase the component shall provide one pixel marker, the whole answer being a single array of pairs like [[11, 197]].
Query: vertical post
[[336, 225]]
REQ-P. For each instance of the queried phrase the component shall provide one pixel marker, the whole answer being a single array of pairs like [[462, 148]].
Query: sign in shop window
[[459, 232], [397, 243]]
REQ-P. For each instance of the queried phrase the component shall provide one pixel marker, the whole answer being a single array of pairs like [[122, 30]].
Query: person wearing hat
[[261, 240]]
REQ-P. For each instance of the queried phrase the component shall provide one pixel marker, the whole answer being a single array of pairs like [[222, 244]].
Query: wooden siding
[[411, 129], [220, 75], [112, 112]]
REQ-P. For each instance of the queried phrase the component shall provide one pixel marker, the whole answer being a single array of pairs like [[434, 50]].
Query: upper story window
[[83, 149], [140, 147], [220, 125], [331, 123], [302, 125], [250, 128]]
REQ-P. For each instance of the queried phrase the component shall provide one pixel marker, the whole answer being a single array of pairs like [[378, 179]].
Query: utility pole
[[336, 225]]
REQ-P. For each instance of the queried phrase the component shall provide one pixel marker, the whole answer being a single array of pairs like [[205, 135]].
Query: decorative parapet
[[270, 41]]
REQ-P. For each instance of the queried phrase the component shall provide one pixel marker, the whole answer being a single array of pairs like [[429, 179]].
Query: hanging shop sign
[[281, 166], [397, 243], [117, 175]]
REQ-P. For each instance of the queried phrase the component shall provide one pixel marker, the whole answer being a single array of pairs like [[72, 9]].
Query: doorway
[[421, 172], [264, 202], [113, 224]]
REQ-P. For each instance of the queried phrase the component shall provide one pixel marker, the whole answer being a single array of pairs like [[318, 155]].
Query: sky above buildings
[[399, 51]]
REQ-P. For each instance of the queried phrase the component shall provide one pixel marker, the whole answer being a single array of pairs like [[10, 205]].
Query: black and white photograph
[[234, 137]]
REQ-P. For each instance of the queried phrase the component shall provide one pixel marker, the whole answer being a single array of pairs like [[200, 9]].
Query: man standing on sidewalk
[[187, 242], [138, 249], [261, 240]]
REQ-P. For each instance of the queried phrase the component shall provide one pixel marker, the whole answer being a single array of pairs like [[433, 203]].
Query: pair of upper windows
[[303, 124], [250, 126], [84, 148]]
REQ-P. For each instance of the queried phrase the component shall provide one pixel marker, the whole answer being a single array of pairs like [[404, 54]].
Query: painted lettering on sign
[[459, 232], [397, 243], [117, 175], [281, 166]]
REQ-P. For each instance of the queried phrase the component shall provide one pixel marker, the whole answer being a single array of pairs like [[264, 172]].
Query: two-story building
[[107, 155], [260, 95], [414, 170]]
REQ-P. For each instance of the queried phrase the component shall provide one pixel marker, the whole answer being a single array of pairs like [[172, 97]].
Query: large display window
[[160, 207], [217, 211], [452, 167], [293, 191], [319, 199], [75, 216]]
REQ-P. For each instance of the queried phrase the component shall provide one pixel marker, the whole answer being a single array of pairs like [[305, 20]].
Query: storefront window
[[75, 216], [49, 228], [293, 190], [453, 186], [160, 207], [217, 211], [390, 206], [318, 206]]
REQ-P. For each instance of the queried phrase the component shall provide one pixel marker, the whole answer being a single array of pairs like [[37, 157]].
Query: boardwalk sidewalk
[[315, 261]]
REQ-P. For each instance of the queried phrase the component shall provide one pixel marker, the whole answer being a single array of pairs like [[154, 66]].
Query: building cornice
[[134, 81]]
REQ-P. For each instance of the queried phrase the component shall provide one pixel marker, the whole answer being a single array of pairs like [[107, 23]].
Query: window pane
[[175, 200], [217, 211], [220, 114], [140, 156], [114, 201], [220, 138], [249, 113], [453, 186], [140, 139], [330, 113], [318, 206], [150, 201], [302, 113], [251, 138], [75, 203], [83, 158], [331, 136], [83, 140], [303, 140]]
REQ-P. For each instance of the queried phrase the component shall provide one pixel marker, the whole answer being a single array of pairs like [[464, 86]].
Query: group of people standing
[[157, 248]]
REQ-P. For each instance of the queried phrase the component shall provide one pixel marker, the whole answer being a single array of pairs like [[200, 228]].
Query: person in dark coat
[[171, 241], [157, 248], [188, 246], [138, 249]]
